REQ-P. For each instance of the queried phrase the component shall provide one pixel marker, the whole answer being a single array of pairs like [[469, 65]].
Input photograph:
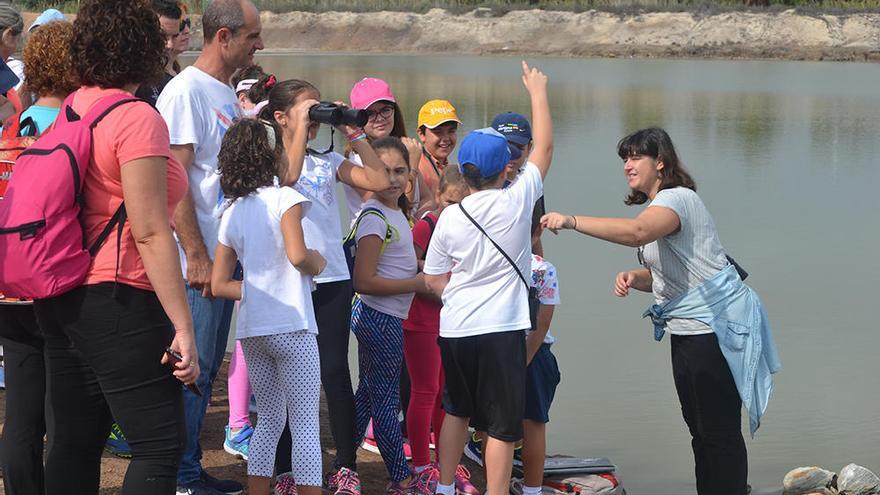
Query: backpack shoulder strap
[[98, 111], [509, 260]]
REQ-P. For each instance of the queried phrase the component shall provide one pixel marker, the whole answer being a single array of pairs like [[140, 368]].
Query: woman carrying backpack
[[107, 339]]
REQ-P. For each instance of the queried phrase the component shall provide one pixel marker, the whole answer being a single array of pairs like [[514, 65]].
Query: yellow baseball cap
[[436, 112]]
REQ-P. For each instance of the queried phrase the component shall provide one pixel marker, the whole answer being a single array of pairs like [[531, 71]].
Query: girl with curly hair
[[262, 228], [49, 73], [107, 339]]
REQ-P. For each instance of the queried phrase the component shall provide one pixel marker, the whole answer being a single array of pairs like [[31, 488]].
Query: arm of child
[[222, 284], [536, 338], [366, 281], [370, 177], [305, 260], [542, 126], [437, 283]]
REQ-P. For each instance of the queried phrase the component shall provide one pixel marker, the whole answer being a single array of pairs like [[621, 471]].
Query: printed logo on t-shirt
[[225, 117], [318, 184]]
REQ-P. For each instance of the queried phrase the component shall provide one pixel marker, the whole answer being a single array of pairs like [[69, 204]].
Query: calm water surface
[[785, 157]]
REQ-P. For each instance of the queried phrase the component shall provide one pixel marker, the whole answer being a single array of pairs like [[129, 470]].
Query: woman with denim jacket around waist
[[681, 255]]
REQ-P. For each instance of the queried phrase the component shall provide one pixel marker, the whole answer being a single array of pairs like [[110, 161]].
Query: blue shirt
[[736, 315], [43, 117]]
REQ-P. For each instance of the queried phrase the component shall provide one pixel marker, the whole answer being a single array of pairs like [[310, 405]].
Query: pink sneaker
[[395, 488], [285, 485], [425, 483], [344, 482], [463, 485]]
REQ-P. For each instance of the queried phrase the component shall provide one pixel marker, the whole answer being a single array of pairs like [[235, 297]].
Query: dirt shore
[[222, 465], [763, 35]]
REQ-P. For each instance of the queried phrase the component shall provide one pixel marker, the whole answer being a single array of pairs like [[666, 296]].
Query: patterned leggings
[[285, 373], [380, 355]]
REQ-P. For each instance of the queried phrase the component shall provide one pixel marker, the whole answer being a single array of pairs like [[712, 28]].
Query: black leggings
[[21, 449], [711, 407], [332, 301], [104, 357]]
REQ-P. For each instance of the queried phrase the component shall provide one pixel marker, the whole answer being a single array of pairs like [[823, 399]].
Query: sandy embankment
[[779, 35]]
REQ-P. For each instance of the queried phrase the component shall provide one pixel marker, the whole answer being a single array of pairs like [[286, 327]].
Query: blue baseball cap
[[514, 127], [46, 17], [485, 149]]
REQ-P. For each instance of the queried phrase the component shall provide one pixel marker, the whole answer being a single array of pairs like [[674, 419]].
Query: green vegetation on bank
[[500, 7]]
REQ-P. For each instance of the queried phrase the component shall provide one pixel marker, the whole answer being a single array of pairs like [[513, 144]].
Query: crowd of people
[[204, 179]]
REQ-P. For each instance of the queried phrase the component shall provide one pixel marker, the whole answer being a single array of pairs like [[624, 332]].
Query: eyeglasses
[[185, 23], [384, 112]]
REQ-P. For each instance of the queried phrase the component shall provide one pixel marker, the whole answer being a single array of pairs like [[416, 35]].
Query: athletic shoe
[[344, 482], [285, 484], [474, 449], [116, 443], [395, 488], [229, 487], [369, 443], [463, 485], [197, 488], [238, 445], [425, 483]]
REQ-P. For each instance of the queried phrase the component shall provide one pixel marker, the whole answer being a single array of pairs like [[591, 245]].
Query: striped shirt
[[685, 259]]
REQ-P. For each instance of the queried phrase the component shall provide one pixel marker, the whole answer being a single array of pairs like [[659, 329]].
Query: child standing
[[385, 277], [420, 332], [276, 321], [438, 131], [542, 376], [485, 242]]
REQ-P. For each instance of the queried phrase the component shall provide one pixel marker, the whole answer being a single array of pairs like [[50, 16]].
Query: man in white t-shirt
[[199, 105], [486, 245]]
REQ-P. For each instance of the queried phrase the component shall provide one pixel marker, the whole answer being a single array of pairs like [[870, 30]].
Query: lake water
[[785, 155]]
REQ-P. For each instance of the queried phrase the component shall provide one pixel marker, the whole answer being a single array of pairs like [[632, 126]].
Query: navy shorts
[[542, 377]]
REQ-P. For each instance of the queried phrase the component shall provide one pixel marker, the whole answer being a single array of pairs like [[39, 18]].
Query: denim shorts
[[542, 377]]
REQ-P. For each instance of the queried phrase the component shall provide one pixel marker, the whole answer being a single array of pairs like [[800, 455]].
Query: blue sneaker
[[229, 487], [239, 444], [474, 449], [116, 443]]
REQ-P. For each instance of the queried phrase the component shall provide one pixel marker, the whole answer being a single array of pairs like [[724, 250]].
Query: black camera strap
[[329, 149]]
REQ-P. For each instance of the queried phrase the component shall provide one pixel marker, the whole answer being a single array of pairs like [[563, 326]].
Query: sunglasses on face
[[385, 113], [185, 23]]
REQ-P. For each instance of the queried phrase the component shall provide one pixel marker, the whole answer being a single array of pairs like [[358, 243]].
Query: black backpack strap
[[430, 221], [509, 260], [27, 127]]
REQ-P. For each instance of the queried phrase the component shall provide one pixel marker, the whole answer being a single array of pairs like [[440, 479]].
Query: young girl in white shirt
[[262, 228], [386, 278]]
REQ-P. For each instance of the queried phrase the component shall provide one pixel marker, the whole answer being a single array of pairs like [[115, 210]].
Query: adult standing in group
[[106, 340], [169, 14], [181, 44], [722, 350], [199, 105]]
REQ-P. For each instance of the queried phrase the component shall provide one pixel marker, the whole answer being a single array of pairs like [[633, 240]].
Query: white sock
[[445, 489], [532, 490]]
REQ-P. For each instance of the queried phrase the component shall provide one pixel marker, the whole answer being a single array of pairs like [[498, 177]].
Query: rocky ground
[[222, 465]]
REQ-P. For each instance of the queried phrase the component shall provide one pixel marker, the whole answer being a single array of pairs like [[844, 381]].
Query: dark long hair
[[657, 144], [395, 144], [246, 161]]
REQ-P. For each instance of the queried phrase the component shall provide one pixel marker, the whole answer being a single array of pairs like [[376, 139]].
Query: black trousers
[[21, 448], [104, 355], [332, 301], [711, 407]]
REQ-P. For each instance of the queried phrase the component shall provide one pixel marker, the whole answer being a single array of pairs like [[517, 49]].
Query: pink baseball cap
[[369, 90]]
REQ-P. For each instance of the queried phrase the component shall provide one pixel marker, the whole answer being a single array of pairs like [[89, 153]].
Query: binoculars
[[330, 113]]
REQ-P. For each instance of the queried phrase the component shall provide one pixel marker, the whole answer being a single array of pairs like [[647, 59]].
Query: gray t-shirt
[[685, 259]]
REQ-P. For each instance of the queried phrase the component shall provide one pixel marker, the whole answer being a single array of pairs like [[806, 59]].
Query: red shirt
[[424, 313]]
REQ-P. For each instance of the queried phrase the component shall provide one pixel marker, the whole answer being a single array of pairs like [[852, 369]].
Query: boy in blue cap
[[485, 243]]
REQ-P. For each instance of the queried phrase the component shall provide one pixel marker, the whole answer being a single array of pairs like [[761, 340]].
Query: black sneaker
[[229, 487], [197, 488]]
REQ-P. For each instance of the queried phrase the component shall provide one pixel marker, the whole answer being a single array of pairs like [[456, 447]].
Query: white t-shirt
[[275, 296], [321, 225], [198, 110], [398, 258], [687, 258], [546, 280], [484, 294]]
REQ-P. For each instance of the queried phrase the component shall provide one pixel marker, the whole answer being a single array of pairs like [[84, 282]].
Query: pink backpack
[[42, 245]]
